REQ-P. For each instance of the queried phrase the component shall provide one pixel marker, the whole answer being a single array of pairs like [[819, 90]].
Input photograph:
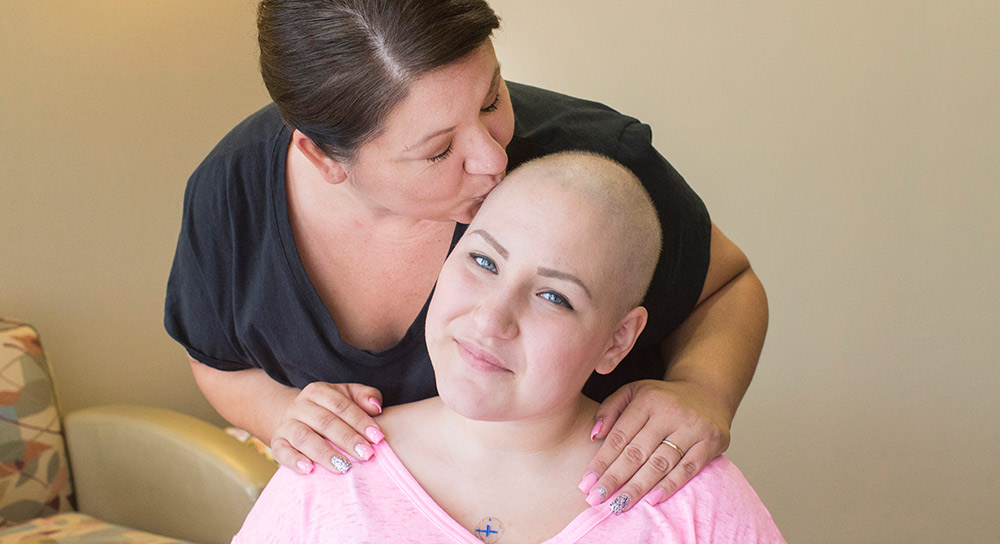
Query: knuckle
[[341, 405], [689, 469], [617, 439], [670, 487], [634, 454], [659, 463], [299, 435], [311, 388], [326, 420]]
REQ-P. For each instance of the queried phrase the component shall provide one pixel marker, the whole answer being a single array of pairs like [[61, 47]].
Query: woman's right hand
[[324, 413]]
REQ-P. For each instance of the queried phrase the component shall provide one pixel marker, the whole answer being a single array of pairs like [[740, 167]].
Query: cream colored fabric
[[163, 472]]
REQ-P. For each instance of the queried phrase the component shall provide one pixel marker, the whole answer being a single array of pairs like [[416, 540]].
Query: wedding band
[[675, 446]]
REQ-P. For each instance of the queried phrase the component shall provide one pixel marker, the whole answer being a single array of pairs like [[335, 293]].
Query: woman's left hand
[[658, 435]]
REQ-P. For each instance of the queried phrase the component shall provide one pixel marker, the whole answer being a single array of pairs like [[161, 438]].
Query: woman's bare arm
[[298, 424]]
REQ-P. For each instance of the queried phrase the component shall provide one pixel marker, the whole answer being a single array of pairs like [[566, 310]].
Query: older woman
[[314, 232]]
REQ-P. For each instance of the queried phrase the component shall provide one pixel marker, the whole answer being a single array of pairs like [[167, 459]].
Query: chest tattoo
[[489, 530]]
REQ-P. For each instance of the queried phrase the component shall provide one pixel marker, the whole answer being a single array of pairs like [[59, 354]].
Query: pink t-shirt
[[380, 501]]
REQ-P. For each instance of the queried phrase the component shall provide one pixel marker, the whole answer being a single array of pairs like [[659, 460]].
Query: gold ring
[[675, 446]]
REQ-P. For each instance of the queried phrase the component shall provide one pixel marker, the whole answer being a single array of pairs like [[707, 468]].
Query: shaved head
[[614, 209]]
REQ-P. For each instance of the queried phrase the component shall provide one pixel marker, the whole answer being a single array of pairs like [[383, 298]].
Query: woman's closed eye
[[484, 262], [447, 152], [556, 298], [492, 107], [442, 156]]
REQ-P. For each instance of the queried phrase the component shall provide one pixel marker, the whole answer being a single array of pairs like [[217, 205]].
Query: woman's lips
[[479, 358]]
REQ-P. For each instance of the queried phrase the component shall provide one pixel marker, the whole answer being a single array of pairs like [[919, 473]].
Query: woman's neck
[[431, 428], [548, 434]]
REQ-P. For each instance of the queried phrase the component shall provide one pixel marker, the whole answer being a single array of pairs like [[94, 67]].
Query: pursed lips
[[479, 358]]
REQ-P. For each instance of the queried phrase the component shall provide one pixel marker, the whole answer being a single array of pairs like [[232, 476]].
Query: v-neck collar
[[388, 460]]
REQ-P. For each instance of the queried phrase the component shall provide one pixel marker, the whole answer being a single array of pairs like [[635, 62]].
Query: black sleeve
[[198, 309]]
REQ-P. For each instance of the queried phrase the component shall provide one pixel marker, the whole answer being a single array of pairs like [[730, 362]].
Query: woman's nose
[[495, 318], [486, 156]]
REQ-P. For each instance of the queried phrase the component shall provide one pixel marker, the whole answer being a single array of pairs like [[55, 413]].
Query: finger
[[621, 471], [610, 410], [341, 418], [295, 438], [335, 414], [618, 439], [287, 456], [368, 398], [697, 458], [663, 460]]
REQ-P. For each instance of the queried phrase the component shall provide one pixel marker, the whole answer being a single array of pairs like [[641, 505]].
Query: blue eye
[[556, 298], [484, 262]]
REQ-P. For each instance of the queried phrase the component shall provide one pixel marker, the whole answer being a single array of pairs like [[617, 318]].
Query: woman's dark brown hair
[[336, 68]]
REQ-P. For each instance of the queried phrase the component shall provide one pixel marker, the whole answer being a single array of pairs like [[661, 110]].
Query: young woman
[[541, 291], [314, 232]]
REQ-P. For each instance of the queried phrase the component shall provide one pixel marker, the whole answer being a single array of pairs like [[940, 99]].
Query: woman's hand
[[635, 461], [325, 413]]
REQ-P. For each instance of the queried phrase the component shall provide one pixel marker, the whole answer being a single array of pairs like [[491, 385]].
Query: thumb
[[611, 409], [368, 398]]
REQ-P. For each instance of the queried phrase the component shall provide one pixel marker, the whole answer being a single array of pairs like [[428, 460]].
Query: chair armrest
[[163, 472]]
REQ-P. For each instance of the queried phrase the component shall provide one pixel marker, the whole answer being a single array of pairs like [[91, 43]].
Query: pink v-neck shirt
[[380, 501]]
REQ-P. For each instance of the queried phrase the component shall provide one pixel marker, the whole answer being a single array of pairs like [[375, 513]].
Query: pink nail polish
[[596, 429], [374, 402], [655, 497], [305, 467], [597, 496], [374, 434], [364, 451], [588, 481]]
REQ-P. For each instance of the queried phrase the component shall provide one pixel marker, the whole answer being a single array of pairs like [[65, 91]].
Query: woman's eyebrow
[[493, 242], [550, 273]]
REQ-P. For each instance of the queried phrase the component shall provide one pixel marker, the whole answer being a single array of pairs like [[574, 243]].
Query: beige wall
[[849, 147]]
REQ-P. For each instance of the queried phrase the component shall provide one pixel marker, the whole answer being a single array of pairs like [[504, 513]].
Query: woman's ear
[[332, 171], [623, 339]]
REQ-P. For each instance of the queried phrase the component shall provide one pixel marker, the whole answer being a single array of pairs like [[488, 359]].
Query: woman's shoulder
[[403, 421], [258, 128], [719, 501], [548, 121]]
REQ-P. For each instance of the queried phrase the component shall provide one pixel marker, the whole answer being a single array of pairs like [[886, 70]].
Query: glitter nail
[[619, 504], [340, 464]]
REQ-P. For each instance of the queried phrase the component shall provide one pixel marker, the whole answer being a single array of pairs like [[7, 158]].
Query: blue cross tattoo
[[489, 531]]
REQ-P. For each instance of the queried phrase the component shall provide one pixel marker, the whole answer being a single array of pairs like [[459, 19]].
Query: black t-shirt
[[239, 297]]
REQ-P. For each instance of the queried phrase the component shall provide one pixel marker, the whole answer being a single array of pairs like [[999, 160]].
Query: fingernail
[[588, 481], [619, 505], [374, 434], [305, 467], [340, 464], [364, 451], [597, 496], [654, 497], [374, 402], [596, 429]]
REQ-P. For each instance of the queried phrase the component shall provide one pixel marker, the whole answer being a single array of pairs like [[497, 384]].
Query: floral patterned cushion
[[74, 528], [34, 472]]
